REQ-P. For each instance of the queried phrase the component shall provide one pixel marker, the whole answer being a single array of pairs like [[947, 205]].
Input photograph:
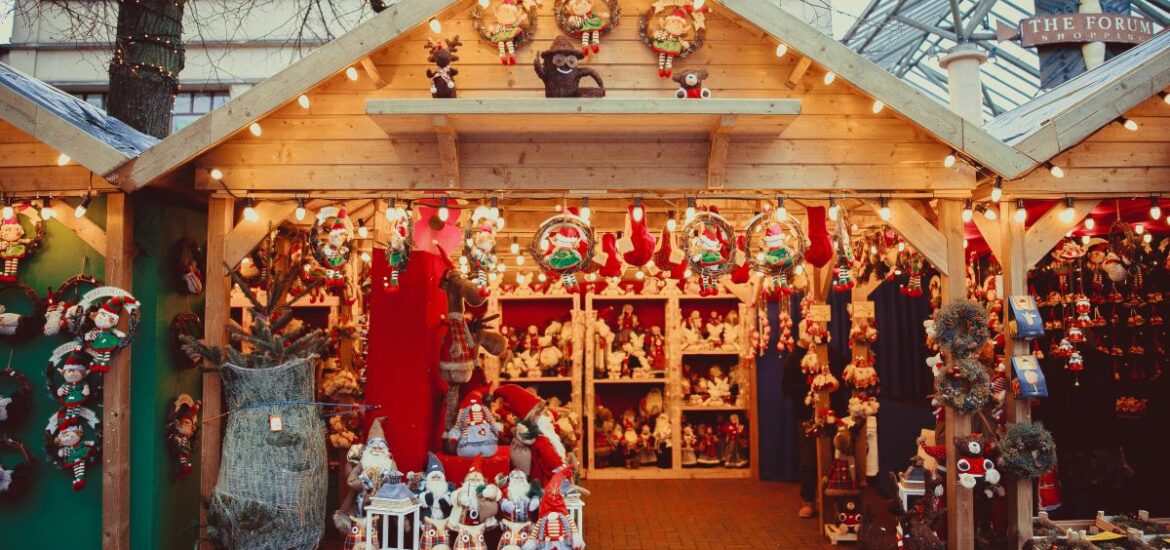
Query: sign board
[[1029, 324], [820, 313], [1029, 378], [1078, 28], [863, 310]]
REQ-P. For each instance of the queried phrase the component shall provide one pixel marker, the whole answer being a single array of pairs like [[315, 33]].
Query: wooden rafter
[[448, 140], [717, 155], [924, 237], [798, 71], [372, 72], [991, 234], [83, 227], [1043, 235]]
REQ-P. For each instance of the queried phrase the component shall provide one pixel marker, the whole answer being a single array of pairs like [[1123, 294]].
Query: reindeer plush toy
[[443, 75]]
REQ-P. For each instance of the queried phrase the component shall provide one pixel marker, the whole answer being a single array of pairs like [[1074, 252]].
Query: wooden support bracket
[[448, 150], [372, 72], [246, 235], [924, 237], [991, 234], [798, 72], [1013, 244], [717, 157], [220, 213], [1049, 229], [83, 227]]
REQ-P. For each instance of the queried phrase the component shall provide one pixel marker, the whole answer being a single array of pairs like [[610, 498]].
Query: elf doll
[[669, 41], [397, 250], [476, 431], [335, 250], [555, 530], [75, 391], [506, 30], [564, 252], [181, 431], [13, 247], [710, 244], [586, 24], [75, 450], [104, 338]]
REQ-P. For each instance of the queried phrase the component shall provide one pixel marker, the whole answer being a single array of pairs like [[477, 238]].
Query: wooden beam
[[246, 235], [83, 227], [1015, 281], [1091, 182], [448, 140], [717, 155], [1050, 229], [372, 72], [925, 238], [217, 296], [116, 387], [990, 231], [950, 225], [923, 207], [798, 71]]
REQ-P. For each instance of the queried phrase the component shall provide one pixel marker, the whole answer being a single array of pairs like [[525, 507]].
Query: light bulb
[[436, 26], [500, 223], [671, 224], [967, 211], [542, 277], [8, 212], [830, 76], [303, 101], [687, 273], [1129, 124], [300, 211], [639, 275], [1056, 171], [514, 247], [997, 190], [363, 232], [1069, 212], [592, 277], [698, 4], [877, 106], [1165, 97], [216, 174], [501, 267], [46, 210], [1155, 210], [1085, 240], [250, 212], [351, 73], [484, 3], [639, 212], [585, 211], [62, 159], [1147, 238], [781, 210], [965, 244], [950, 159], [1021, 214], [1139, 229], [990, 213], [443, 212], [519, 260], [690, 213], [365, 256], [873, 249], [799, 269], [494, 209], [81, 208], [255, 129], [781, 49], [834, 210], [1090, 223], [519, 278], [901, 246], [884, 211]]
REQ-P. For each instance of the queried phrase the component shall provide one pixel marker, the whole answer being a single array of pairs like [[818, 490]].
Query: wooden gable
[[29, 165], [347, 139]]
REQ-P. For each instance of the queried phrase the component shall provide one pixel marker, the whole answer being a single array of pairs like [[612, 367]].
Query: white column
[[964, 82]]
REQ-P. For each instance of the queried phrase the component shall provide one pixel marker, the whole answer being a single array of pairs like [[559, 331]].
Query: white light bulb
[[1090, 223], [1067, 214], [542, 277], [799, 269], [251, 214], [698, 4], [501, 267], [834, 212], [1131, 125], [300, 213], [873, 249], [671, 225], [46, 211], [996, 193], [79, 211], [1139, 229], [877, 106], [990, 214], [1085, 240], [484, 3], [690, 213], [1166, 99], [830, 76], [444, 213], [585, 212], [8, 212], [365, 256], [639, 213], [1155, 212], [514, 248], [781, 49], [216, 174], [303, 101], [592, 277], [967, 214], [639, 275], [965, 243], [62, 159], [901, 246], [519, 278], [500, 223], [1056, 171], [1021, 215], [949, 161], [351, 73], [255, 129], [519, 260], [884, 213], [1147, 238], [363, 232], [436, 26]]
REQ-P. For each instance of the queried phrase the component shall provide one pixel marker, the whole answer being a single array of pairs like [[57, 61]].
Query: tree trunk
[[148, 56]]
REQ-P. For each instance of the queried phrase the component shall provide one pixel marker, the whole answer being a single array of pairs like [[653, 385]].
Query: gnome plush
[[555, 530], [370, 466], [436, 490], [820, 249], [104, 338], [519, 504], [476, 431], [637, 243]]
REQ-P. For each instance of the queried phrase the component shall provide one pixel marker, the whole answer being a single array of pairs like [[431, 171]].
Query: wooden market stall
[[793, 114]]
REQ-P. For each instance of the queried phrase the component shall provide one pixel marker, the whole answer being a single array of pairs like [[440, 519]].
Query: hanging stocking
[[820, 249]]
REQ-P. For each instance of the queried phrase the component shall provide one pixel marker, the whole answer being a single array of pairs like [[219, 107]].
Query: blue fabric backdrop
[[779, 450]]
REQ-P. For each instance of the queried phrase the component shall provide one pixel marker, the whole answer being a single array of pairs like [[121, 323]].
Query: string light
[[901, 246], [46, 209], [1021, 214], [1155, 210], [362, 231], [365, 256], [255, 129], [303, 101], [250, 212], [592, 277], [884, 210], [967, 211], [501, 267], [997, 190], [1090, 223], [436, 26], [542, 277], [639, 275], [515, 246], [639, 212], [781, 210], [8, 212], [351, 73], [443, 212], [520, 259], [81, 208], [1056, 171], [1139, 229], [799, 269], [690, 213], [519, 278], [671, 223], [1147, 238], [781, 49], [877, 106], [300, 211], [698, 4], [62, 159], [830, 76], [834, 210], [216, 174], [1127, 123], [1085, 240], [1165, 97], [990, 213], [585, 210], [950, 159], [494, 208], [1069, 211]]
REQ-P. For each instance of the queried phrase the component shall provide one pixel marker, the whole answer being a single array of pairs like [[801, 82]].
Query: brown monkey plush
[[690, 84], [560, 73]]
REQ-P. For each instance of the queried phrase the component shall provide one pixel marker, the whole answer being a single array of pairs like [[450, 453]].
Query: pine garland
[[1027, 450], [966, 388], [961, 328]]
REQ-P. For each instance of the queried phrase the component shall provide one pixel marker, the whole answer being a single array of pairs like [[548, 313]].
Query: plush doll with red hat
[[709, 254], [537, 449], [476, 431], [669, 258], [476, 501], [333, 250], [637, 243], [820, 249], [104, 338], [555, 530]]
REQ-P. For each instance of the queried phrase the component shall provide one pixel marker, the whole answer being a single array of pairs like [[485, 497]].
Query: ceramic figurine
[[735, 450], [689, 441]]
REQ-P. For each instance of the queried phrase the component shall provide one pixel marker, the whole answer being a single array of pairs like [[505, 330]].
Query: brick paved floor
[[696, 514]]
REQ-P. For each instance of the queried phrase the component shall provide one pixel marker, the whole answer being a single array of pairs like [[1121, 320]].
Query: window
[[189, 106], [97, 99]]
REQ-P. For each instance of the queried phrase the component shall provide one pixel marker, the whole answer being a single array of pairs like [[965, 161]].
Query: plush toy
[[104, 338], [732, 330], [475, 502], [470, 537], [564, 245], [15, 244], [637, 243], [555, 529], [820, 249], [442, 54], [689, 440], [74, 452], [74, 391], [479, 247], [974, 464], [536, 448], [181, 429], [476, 431], [708, 241], [734, 434], [581, 18], [329, 241], [513, 534], [690, 84], [672, 29], [369, 466], [559, 70], [514, 24], [714, 330]]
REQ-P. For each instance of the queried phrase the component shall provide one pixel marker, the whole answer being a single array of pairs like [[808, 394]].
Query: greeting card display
[[1029, 378], [1029, 324]]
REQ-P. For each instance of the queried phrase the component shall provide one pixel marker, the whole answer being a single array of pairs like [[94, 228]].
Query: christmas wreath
[[183, 326], [964, 387], [15, 479], [673, 40], [21, 327], [708, 242], [60, 301], [775, 245], [961, 328], [14, 402], [578, 18], [563, 245], [1027, 450], [514, 25]]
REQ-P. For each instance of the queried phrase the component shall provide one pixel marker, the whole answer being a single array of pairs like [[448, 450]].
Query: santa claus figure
[[436, 491], [104, 338], [565, 254], [476, 431], [370, 466], [536, 450], [555, 530], [518, 505], [476, 501], [335, 249]]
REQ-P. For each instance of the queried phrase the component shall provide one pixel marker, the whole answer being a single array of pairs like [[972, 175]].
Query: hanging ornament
[[67, 380], [913, 286], [785, 342], [843, 243], [329, 241], [181, 429], [190, 264], [14, 476], [774, 247], [582, 19], [96, 320], [15, 397], [72, 447], [673, 29], [563, 245], [479, 246], [18, 326], [183, 326], [15, 242], [509, 24], [62, 301], [399, 246], [708, 242]]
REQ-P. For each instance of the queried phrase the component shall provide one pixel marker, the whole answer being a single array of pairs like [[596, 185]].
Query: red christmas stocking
[[743, 272], [637, 243], [612, 265], [668, 258], [820, 249]]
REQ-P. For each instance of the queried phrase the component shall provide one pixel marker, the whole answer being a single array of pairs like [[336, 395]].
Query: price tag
[[863, 310], [821, 313], [275, 423]]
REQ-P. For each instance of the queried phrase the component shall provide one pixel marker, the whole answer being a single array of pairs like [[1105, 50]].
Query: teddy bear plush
[[690, 84]]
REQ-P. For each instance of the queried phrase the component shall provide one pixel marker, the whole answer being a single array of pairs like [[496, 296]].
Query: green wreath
[[1027, 450], [966, 388]]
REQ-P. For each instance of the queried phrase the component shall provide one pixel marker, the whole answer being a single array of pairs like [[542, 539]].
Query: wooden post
[[220, 215], [960, 502], [1013, 246], [116, 400]]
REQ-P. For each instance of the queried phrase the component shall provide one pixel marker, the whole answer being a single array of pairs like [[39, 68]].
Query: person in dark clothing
[[795, 385]]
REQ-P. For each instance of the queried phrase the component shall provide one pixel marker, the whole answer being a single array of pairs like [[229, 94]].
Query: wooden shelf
[[631, 298], [534, 297], [723, 408], [715, 352], [670, 473], [630, 381], [537, 380]]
